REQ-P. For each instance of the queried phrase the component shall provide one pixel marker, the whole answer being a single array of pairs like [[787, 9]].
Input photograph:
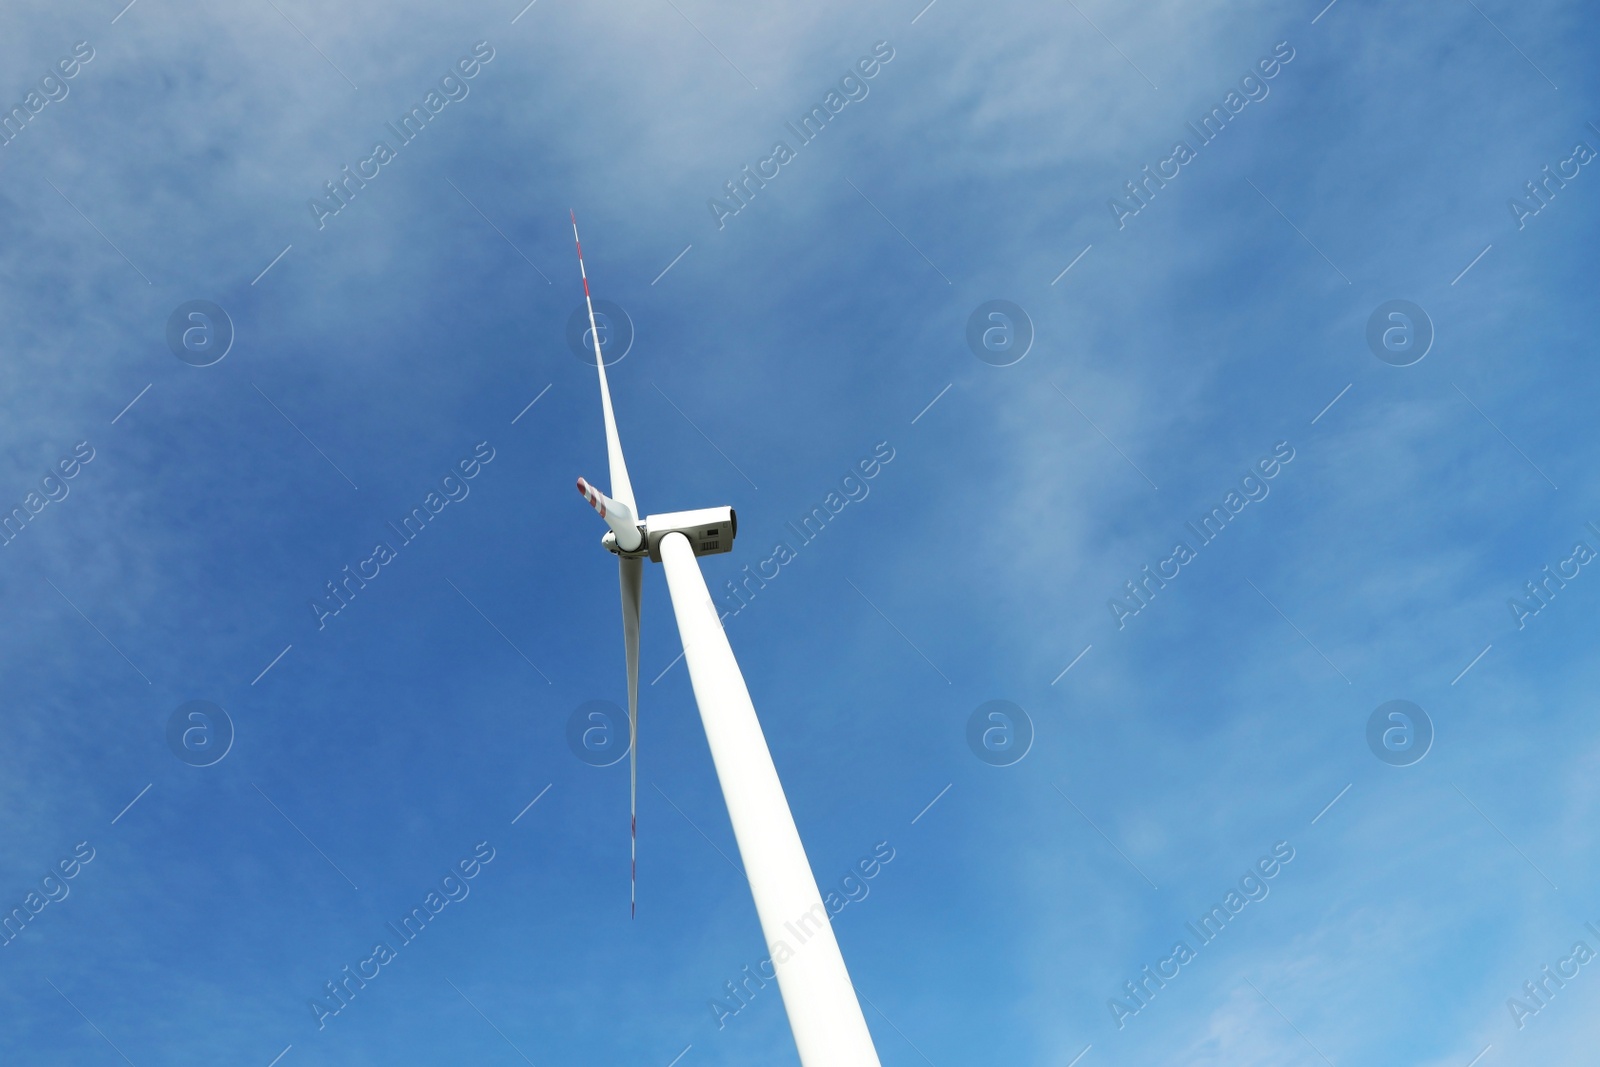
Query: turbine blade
[[621, 487], [631, 575], [618, 516]]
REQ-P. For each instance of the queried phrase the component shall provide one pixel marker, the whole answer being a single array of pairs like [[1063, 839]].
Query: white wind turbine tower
[[829, 1029]]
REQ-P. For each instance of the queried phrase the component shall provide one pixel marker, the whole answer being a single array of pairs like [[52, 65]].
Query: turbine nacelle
[[710, 531]]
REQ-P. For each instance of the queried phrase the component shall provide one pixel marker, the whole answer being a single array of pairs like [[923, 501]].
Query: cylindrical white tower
[[824, 1014]]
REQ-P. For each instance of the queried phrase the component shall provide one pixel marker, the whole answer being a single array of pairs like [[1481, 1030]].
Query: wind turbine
[[829, 1028]]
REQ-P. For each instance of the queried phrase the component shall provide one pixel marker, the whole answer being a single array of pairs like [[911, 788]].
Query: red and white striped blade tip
[[596, 499]]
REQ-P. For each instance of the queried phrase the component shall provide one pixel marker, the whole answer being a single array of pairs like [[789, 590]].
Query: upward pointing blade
[[621, 488], [616, 514], [631, 574]]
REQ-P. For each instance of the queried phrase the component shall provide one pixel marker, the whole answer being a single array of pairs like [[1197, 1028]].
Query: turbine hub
[[710, 532]]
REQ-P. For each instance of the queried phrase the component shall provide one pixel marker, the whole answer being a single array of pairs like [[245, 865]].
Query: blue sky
[[376, 351]]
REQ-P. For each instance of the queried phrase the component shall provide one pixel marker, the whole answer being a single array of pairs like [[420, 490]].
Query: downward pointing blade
[[621, 487], [631, 574]]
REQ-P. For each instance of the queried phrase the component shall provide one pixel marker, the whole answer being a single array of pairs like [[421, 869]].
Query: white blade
[[621, 514], [621, 488], [618, 516], [829, 1029], [631, 574]]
